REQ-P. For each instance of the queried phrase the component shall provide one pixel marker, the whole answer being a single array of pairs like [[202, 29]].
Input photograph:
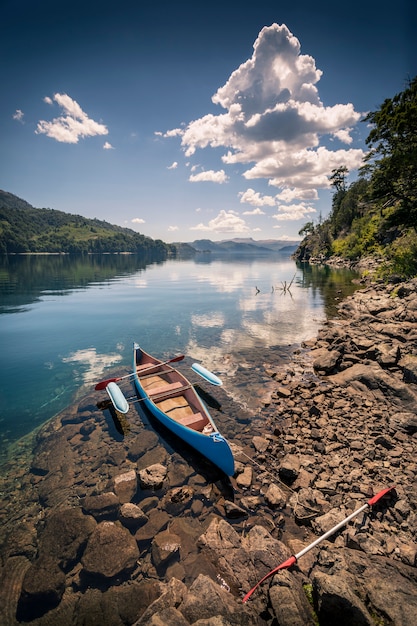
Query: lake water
[[68, 322]]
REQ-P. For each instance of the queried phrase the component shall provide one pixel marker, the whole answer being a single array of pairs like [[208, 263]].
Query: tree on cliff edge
[[392, 160]]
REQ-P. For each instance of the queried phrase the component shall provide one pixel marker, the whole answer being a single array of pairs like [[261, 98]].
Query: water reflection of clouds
[[211, 320], [140, 283], [223, 281], [95, 363]]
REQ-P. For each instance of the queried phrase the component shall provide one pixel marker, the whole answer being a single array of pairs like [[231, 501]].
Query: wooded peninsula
[[376, 216]]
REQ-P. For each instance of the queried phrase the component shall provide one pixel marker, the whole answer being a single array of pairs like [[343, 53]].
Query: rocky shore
[[112, 522]]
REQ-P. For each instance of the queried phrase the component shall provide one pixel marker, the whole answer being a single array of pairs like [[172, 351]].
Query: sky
[[191, 120]]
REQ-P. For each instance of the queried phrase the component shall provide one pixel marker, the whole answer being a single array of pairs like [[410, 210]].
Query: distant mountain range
[[244, 246]]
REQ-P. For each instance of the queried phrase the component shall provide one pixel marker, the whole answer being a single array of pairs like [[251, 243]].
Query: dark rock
[[405, 422], [337, 604], [289, 602], [142, 443], [158, 520], [275, 497], [125, 486], [233, 511], [289, 467], [119, 605], [328, 361], [111, 550], [21, 541], [104, 506], [171, 595], [170, 616], [409, 367], [42, 588], [65, 536], [132, 516], [156, 456], [206, 599], [178, 499], [165, 548]]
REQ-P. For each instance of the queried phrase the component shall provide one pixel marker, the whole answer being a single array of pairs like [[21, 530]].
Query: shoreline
[[341, 422]]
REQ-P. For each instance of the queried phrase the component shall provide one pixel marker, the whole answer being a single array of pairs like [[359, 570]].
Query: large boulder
[[206, 599], [65, 535], [111, 550], [337, 603]]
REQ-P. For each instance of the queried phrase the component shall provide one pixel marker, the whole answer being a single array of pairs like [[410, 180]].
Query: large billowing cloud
[[275, 123], [226, 222], [72, 125]]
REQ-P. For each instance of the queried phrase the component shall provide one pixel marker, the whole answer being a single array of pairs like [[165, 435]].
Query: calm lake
[[69, 321]]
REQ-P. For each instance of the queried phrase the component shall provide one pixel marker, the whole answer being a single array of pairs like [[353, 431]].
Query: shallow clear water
[[68, 322]]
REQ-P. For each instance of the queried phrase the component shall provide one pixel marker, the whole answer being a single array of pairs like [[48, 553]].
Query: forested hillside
[[377, 214], [26, 229]]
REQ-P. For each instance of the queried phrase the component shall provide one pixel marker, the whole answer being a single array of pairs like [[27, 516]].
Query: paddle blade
[[283, 565], [206, 374], [380, 495], [104, 383], [176, 358]]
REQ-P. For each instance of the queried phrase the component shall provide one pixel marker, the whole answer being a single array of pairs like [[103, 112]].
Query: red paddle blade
[[284, 565], [380, 495], [103, 384], [176, 358]]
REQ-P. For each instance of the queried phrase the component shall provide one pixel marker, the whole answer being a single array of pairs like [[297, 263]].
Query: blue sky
[[193, 120]]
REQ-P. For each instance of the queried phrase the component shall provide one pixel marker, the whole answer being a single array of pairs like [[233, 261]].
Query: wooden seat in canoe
[[196, 421], [147, 366], [164, 389]]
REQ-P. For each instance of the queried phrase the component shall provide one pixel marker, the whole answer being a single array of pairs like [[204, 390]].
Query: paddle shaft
[[293, 559], [103, 384]]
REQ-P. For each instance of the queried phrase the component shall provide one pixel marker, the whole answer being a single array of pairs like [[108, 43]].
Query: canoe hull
[[213, 446]]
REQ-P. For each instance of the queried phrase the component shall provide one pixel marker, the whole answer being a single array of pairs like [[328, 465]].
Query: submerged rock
[[111, 550]]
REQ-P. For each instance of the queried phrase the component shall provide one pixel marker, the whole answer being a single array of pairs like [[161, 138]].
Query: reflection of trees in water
[[25, 278], [330, 284]]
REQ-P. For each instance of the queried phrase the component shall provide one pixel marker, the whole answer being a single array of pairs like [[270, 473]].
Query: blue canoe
[[173, 401]]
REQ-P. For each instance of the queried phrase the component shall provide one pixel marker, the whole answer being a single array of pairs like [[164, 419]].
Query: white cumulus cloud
[[138, 220], [256, 211], [250, 196], [209, 176], [275, 124], [72, 124], [224, 222], [293, 212], [18, 115]]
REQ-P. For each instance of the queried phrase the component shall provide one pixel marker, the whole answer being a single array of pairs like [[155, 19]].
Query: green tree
[[307, 229], [392, 160], [338, 178]]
